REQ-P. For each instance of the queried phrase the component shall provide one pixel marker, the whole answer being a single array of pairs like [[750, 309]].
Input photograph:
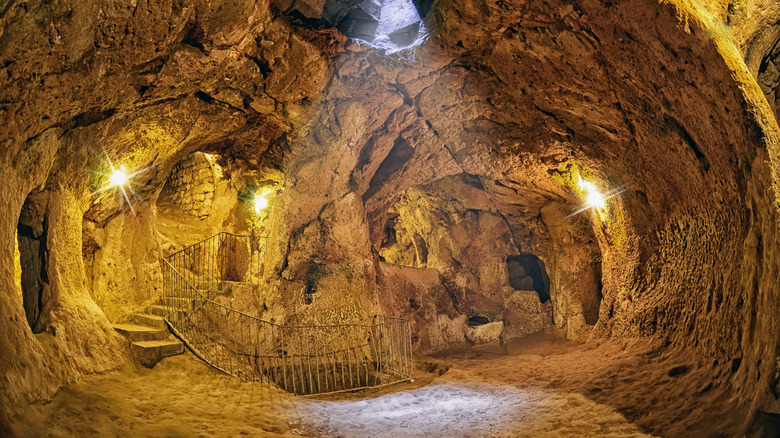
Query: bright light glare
[[118, 178], [261, 202], [593, 197]]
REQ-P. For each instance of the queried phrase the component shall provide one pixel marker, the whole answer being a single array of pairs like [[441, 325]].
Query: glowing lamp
[[593, 197], [261, 202], [118, 178]]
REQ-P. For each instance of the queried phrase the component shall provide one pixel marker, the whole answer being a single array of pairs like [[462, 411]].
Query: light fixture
[[596, 200], [118, 178], [261, 202], [593, 196]]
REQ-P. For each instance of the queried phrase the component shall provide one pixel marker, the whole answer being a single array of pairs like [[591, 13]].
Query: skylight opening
[[390, 25]]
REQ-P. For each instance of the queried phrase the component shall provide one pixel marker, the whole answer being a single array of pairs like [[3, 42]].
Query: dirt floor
[[538, 386]]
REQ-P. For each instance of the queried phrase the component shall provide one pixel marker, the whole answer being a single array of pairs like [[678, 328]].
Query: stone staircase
[[149, 336]]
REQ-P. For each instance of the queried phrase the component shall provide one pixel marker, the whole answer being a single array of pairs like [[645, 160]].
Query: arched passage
[[527, 272]]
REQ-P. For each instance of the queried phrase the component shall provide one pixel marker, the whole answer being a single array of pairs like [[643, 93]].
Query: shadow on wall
[[527, 272]]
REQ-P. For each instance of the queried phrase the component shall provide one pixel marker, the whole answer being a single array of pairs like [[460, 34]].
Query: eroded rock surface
[[402, 184]]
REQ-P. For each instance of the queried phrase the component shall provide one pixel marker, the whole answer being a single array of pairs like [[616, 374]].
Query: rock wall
[[190, 185], [519, 100], [121, 261], [72, 337], [82, 84], [670, 119], [453, 227]]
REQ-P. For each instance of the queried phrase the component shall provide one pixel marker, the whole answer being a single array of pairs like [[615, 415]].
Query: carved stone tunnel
[[572, 203]]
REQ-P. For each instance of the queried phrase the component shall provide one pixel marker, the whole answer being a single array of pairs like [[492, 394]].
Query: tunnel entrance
[[33, 258], [527, 272]]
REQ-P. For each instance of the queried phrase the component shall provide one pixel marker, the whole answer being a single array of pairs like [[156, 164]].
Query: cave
[[390, 218], [526, 272]]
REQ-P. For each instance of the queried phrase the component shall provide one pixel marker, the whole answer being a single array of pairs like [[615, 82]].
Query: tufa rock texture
[[411, 184]]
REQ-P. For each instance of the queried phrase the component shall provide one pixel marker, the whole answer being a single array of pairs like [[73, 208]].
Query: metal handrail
[[207, 239], [302, 359], [180, 274]]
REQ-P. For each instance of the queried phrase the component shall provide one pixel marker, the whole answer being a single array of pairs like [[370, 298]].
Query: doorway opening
[[33, 258], [527, 272]]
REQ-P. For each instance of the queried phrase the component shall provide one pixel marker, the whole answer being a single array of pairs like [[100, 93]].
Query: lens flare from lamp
[[261, 202], [593, 197], [118, 178]]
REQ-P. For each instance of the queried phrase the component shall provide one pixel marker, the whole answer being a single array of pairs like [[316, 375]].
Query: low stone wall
[[191, 185]]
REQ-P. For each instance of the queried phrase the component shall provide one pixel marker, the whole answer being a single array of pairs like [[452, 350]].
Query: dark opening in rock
[[527, 272], [765, 424], [678, 370], [391, 237], [33, 257], [735, 364], [313, 274], [477, 320], [387, 24]]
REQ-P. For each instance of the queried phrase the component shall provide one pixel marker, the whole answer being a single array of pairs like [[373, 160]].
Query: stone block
[[148, 353], [524, 313], [485, 333]]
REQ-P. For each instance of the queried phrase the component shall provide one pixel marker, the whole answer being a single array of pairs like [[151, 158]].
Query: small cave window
[[477, 320], [527, 272], [33, 258]]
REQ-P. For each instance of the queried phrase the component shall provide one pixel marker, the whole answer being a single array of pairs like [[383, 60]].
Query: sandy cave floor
[[536, 390]]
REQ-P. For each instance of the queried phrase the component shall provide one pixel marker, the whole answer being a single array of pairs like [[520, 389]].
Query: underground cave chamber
[[479, 218]]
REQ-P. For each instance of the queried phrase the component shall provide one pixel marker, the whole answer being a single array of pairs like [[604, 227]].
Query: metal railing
[[394, 349], [301, 359], [220, 258]]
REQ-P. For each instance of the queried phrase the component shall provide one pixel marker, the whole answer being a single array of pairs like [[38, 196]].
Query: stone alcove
[[33, 258]]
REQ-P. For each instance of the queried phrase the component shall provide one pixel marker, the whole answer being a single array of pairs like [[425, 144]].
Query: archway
[[527, 272]]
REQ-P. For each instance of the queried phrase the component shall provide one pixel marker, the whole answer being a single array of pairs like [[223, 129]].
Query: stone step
[[174, 301], [135, 332], [150, 320], [148, 353], [163, 311], [157, 310]]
